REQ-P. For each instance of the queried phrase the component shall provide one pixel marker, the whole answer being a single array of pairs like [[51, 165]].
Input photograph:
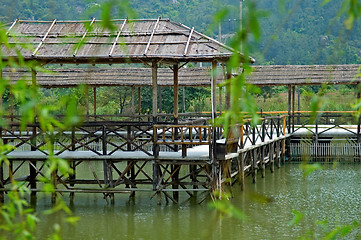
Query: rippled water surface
[[332, 194]]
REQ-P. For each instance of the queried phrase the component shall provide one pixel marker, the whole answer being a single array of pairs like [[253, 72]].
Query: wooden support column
[[289, 109], [95, 102], [139, 101], [220, 95], [263, 161], [271, 157], [154, 91], [87, 101], [278, 153], [133, 100], [32, 164], [176, 92], [293, 107], [254, 165], [358, 94], [214, 115], [228, 91], [1, 136], [184, 99], [241, 157], [298, 106], [160, 99], [176, 98]]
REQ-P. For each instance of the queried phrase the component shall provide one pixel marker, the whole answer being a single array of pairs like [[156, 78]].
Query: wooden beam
[[43, 39], [117, 38], [154, 90], [151, 36]]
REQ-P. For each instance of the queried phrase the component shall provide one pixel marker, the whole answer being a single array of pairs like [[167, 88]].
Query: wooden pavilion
[[121, 146]]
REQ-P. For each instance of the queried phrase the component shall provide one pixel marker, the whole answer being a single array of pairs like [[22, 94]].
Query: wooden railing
[[183, 135]]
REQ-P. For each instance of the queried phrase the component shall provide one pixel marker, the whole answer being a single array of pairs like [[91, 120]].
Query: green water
[[332, 194]]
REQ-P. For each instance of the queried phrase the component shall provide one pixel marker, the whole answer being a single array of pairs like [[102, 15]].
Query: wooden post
[[289, 109], [263, 163], [241, 169], [139, 101], [175, 179], [154, 91], [271, 157], [176, 93], [293, 107], [214, 115], [95, 102], [32, 164], [160, 99], [87, 101], [1, 136], [184, 99], [228, 92], [254, 165], [175, 107], [133, 100], [298, 105], [279, 153]]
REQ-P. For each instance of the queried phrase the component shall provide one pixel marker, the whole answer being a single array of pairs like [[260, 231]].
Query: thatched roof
[[305, 74], [133, 41], [261, 76], [112, 77]]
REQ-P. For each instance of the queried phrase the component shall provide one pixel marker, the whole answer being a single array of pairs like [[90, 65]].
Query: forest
[[292, 32]]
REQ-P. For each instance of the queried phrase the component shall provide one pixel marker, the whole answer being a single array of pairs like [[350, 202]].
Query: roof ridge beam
[[82, 38], [189, 39], [117, 38], [43, 39], [12, 25], [151, 36]]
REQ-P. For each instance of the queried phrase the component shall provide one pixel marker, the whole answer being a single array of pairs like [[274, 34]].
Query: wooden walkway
[[164, 159]]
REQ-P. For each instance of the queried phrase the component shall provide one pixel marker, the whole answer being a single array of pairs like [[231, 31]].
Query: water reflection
[[332, 194]]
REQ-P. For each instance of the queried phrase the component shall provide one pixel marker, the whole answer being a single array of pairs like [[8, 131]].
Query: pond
[[332, 195]]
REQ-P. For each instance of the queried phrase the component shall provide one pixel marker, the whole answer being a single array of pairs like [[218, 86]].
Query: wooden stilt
[[263, 163], [254, 165], [271, 157], [279, 153], [241, 169], [175, 178]]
